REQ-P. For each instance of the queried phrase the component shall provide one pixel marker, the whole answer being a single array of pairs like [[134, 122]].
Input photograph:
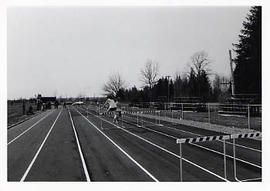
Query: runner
[[112, 107]]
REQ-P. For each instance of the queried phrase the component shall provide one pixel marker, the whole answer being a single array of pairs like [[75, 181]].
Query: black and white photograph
[[134, 93]]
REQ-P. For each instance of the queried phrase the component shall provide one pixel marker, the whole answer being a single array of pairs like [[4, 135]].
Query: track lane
[[244, 154], [104, 160], [59, 159], [215, 160], [15, 131], [163, 165], [21, 151]]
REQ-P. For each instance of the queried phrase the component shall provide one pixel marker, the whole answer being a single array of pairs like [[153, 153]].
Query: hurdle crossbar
[[218, 138]]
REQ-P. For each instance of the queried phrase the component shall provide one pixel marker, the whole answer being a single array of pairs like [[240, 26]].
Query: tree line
[[196, 82]]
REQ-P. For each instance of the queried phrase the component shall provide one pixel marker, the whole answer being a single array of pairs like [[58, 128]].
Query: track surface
[[76, 144]]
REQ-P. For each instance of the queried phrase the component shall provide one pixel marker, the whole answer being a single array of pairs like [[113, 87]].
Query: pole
[[209, 114], [142, 120], [182, 111], [248, 112], [155, 116], [159, 118], [165, 112], [180, 154], [137, 119], [172, 115], [122, 117], [232, 77]]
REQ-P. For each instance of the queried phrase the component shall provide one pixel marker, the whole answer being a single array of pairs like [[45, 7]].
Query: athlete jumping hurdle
[[112, 107]]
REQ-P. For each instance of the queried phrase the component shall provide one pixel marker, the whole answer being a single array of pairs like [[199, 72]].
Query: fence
[[234, 115]]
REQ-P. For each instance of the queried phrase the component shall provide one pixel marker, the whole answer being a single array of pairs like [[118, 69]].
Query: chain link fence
[[246, 116]]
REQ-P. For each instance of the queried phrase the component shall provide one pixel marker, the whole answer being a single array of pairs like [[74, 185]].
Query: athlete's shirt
[[111, 103]]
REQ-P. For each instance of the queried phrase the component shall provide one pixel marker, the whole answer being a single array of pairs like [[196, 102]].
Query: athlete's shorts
[[112, 109]]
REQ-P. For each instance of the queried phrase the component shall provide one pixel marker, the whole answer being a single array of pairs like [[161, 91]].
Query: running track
[[75, 145]]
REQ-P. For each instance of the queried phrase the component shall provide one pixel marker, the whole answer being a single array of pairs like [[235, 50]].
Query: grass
[[215, 118], [15, 112]]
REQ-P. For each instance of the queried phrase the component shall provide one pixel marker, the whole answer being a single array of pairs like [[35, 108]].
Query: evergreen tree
[[192, 84], [178, 83], [204, 85], [247, 73]]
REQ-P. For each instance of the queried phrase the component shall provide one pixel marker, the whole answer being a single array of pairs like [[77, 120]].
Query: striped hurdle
[[203, 139], [246, 135], [218, 138]]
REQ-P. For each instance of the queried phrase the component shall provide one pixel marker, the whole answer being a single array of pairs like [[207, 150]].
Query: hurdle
[[100, 118], [158, 116], [202, 139], [240, 136], [216, 138]]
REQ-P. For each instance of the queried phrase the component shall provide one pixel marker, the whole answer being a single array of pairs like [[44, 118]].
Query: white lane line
[[29, 128], [80, 150], [163, 149], [203, 147], [238, 145], [33, 160], [133, 160]]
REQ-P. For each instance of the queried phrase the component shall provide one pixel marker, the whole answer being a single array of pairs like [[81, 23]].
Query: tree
[[192, 84], [114, 85], [178, 83], [216, 91], [200, 70], [247, 73], [149, 73], [200, 62]]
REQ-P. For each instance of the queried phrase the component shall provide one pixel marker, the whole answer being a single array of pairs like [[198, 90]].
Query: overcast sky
[[67, 51]]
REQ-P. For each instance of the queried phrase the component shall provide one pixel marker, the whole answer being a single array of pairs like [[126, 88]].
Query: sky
[[72, 51]]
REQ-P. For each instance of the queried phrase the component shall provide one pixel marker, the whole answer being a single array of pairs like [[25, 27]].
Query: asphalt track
[[76, 144]]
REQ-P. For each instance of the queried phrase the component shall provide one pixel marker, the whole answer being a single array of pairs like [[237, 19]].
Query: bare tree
[[149, 73], [200, 62], [114, 84]]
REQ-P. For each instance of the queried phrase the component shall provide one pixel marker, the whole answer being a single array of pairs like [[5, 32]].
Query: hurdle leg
[[180, 162], [101, 123], [224, 155], [234, 162]]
